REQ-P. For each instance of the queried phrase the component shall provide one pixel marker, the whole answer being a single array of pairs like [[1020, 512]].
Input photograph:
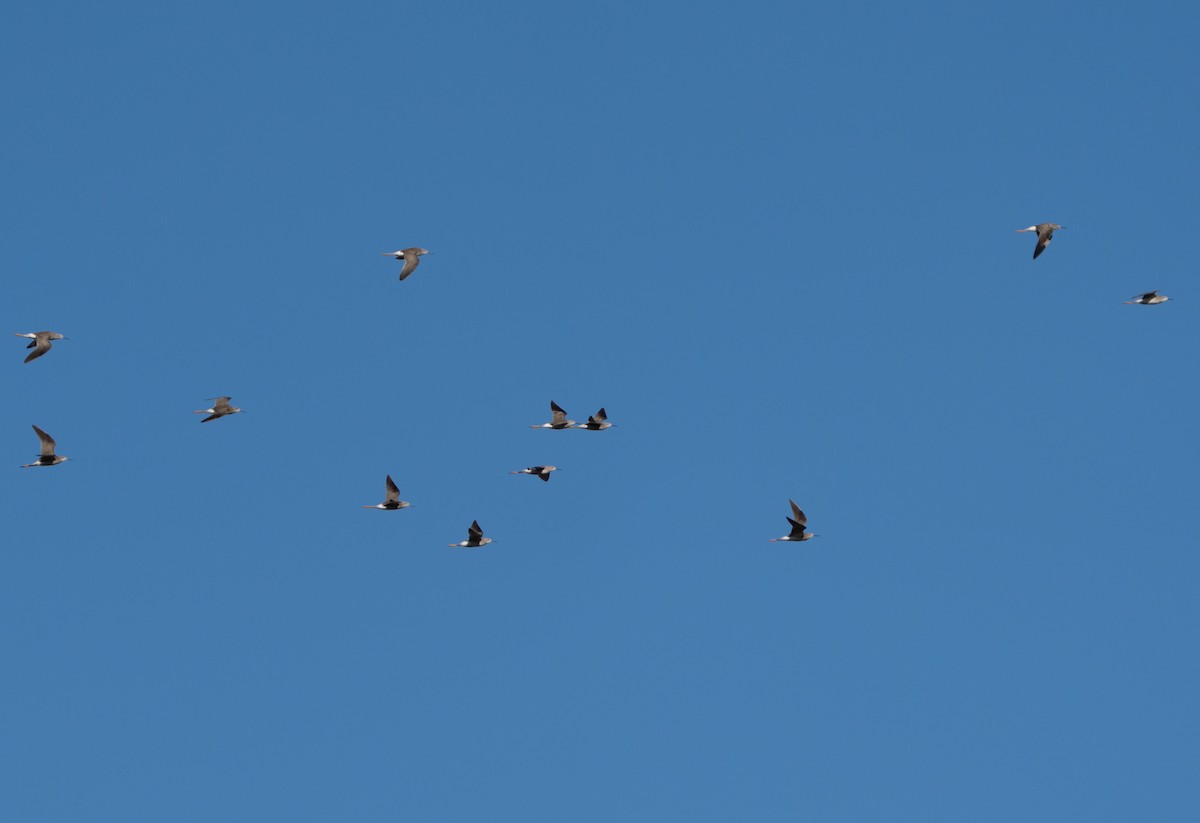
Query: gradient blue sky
[[775, 240]]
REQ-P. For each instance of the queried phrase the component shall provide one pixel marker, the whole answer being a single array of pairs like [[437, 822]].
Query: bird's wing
[[558, 415], [797, 528], [1044, 238], [411, 261], [222, 405], [40, 346], [47, 442], [797, 515], [598, 417], [211, 417], [393, 492], [474, 532]]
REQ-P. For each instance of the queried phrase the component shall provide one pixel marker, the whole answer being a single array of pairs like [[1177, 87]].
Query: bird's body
[[558, 419], [48, 457], [392, 501], [221, 408], [798, 521], [597, 422], [1045, 232], [39, 341], [475, 538], [411, 258], [540, 471], [1150, 298]]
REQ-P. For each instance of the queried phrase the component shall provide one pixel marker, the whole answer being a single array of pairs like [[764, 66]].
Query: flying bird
[[558, 419], [798, 521], [48, 457], [475, 537], [392, 501], [597, 422], [221, 408], [1150, 298], [1045, 232], [411, 258], [541, 471], [39, 341]]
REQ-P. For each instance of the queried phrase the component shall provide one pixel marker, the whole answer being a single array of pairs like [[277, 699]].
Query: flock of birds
[[42, 341]]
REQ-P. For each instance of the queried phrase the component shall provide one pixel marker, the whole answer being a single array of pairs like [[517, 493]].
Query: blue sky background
[[774, 240]]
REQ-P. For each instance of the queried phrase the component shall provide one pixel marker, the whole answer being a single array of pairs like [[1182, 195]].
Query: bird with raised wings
[[392, 501], [475, 537], [798, 521], [597, 422], [48, 457], [558, 419]]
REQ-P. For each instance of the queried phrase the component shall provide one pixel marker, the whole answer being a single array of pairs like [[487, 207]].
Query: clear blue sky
[[774, 240]]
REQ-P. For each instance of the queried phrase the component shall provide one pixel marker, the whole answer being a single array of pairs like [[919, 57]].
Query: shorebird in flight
[[541, 471], [1150, 298], [39, 341], [48, 457], [1045, 232], [597, 422], [558, 419], [475, 537], [411, 258], [393, 501], [798, 521], [220, 409]]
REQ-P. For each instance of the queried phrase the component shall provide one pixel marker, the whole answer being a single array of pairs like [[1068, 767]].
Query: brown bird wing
[[40, 345], [47, 442], [797, 515], [797, 528], [558, 415], [1044, 237], [411, 261], [393, 492]]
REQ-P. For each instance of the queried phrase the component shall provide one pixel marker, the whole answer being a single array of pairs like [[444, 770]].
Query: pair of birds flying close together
[[392, 502], [558, 420]]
